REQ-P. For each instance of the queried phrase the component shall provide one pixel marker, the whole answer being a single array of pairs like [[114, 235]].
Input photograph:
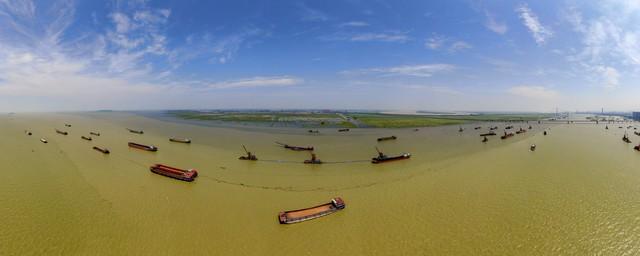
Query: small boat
[[509, 127], [314, 131], [416, 129], [290, 217], [295, 148], [135, 131], [626, 139], [86, 138], [313, 160], [477, 128], [521, 131], [530, 127], [94, 133], [180, 140], [249, 156], [637, 148], [493, 128], [43, 140], [460, 129], [506, 135], [62, 132], [387, 138], [343, 130], [67, 125], [172, 172], [143, 147], [103, 150], [28, 132], [606, 127], [381, 158], [492, 133], [485, 139], [636, 133], [545, 133], [533, 147]]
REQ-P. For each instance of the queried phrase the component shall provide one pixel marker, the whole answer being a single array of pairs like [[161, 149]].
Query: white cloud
[[540, 33], [354, 24], [275, 81], [459, 46], [311, 14], [380, 37], [533, 92], [426, 70], [495, 26], [437, 42], [610, 77]]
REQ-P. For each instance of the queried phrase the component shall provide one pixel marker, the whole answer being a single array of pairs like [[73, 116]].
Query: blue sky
[[402, 55]]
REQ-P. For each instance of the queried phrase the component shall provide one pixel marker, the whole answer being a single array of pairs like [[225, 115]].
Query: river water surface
[[577, 194]]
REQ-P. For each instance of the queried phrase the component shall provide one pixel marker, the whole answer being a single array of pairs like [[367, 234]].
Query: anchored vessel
[[343, 130], [506, 135], [313, 160], [295, 148], [86, 138], [626, 139], [172, 172], [62, 132], [477, 128], [314, 131], [180, 140], [387, 138], [521, 131], [485, 139], [94, 133], [290, 217], [143, 147], [43, 140], [491, 133], [103, 150], [135, 131], [67, 125], [28, 132], [249, 156], [381, 158]]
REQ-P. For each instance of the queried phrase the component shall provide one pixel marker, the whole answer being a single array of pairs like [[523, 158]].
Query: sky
[[457, 55]]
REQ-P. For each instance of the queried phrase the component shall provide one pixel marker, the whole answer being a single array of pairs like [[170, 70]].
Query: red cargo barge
[[172, 172]]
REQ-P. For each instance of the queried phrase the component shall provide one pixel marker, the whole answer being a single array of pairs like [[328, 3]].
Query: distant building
[[636, 116]]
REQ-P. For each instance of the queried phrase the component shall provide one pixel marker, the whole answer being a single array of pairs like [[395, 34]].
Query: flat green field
[[348, 120]]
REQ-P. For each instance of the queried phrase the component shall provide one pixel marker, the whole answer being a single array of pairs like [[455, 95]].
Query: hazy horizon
[[511, 56]]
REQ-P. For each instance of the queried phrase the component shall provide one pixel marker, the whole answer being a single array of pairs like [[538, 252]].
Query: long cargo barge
[[295, 216], [176, 173], [143, 147]]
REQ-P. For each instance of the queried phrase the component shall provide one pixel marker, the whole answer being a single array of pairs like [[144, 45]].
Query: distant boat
[[545, 133], [509, 127], [103, 150], [533, 147], [180, 140], [489, 134], [67, 125], [135, 131], [94, 133], [314, 131], [172, 172], [295, 216], [493, 128], [381, 158], [86, 138], [477, 128], [343, 130], [637, 148], [387, 138], [507, 135], [28, 132], [249, 156], [143, 147], [43, 140], [460, 130], [62, 132], [485, 139], [295, 148], [521, 131], [626, 139], [313, 160]]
